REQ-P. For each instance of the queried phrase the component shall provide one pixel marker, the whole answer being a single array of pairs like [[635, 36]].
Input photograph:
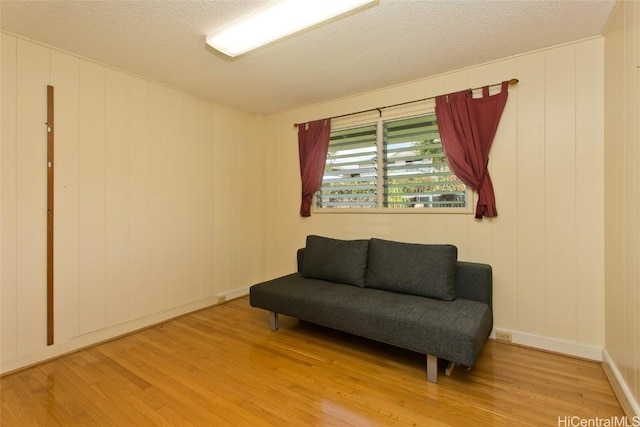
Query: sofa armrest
[[474, 281], [300, 259]]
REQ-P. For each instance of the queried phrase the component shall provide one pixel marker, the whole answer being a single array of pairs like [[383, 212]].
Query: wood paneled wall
[[547, 244], [163, 199], [622, 202], [156, 204]]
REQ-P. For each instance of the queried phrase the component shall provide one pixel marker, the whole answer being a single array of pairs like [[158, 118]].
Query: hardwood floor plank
[[223, 366]]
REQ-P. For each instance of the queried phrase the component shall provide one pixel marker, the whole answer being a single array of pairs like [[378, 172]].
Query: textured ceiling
[[393, 42]]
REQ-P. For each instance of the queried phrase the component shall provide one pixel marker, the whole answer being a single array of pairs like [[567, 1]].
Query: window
[[351, 173], [390, 165]]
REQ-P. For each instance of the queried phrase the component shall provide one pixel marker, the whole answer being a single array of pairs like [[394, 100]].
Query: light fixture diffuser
[[276, 21]]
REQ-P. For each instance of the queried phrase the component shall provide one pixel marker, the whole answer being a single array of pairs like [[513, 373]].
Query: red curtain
[[313, 143], [467, 127]]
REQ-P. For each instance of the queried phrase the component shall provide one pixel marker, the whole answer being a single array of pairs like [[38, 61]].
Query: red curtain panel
[[313, 143], [467, 127]]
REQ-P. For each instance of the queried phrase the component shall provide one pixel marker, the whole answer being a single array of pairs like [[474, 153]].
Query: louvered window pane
[[401, 167], [351, 172], [416, 173]]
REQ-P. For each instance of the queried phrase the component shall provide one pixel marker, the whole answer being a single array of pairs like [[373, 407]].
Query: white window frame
[[379, 117]]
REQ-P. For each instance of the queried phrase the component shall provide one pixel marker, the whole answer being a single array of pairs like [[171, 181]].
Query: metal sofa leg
[[450, 367], [274, 322], [432, 368]]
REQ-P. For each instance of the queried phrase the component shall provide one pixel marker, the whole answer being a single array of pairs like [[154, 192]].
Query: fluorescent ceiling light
[[278, 20]]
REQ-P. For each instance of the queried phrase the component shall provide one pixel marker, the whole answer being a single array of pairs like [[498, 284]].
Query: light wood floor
[[223, 367]]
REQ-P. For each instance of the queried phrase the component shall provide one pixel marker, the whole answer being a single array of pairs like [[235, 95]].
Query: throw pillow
[[340, 261], [417, 269]]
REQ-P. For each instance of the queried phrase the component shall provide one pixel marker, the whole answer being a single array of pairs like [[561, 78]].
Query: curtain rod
[[379, 109]]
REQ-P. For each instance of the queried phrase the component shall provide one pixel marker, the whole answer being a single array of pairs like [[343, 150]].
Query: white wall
[[155, 202], [547, 244], [622, 207]]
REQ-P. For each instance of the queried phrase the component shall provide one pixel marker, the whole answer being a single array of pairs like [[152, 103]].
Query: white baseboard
[[584, 351], [236, 293], [41, 354], [623, 392]]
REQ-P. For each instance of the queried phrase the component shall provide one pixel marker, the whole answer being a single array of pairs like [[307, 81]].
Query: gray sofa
[[415, 296]]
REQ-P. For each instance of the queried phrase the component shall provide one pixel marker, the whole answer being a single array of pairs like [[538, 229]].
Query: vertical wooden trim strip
[[50, 127]]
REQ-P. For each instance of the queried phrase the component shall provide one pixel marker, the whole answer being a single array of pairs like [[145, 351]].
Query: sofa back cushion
[[340, 261], [425, 270]]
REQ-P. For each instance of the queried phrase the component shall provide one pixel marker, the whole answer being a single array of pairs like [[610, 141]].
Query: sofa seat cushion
[[417, 269], [454, 330], [340, 261]]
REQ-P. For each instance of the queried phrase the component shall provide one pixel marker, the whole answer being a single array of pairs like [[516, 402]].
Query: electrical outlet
[[503, 336]]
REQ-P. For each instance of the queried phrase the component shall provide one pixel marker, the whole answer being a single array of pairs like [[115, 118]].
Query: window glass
[[351, 172], [416, 173]]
